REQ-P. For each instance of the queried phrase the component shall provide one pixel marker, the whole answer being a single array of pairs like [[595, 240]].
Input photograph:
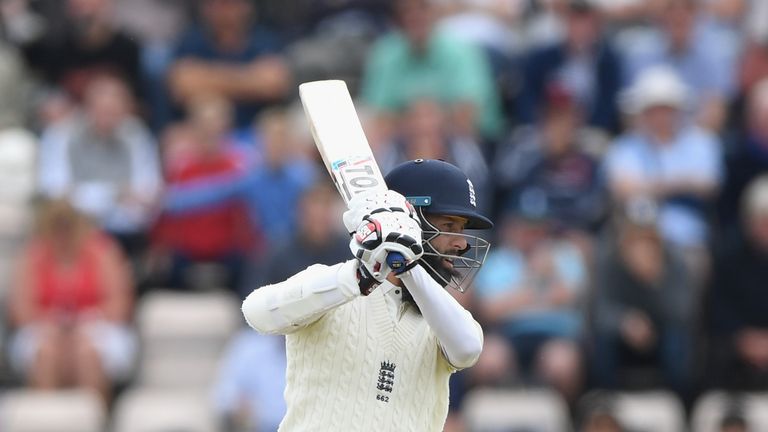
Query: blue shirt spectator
[[251, 381], [700, 50], [227, 55], [584, 63], [667, 159]]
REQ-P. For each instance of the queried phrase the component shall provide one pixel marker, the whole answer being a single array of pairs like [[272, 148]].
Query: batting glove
[[379, 235], [365, 204]]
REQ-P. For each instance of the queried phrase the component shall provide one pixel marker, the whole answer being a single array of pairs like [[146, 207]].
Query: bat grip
[[396, 261]]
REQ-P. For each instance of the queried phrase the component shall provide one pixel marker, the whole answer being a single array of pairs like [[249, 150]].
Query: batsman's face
[[445, 243]]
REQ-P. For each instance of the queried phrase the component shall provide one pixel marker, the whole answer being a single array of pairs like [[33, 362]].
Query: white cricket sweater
[[359, 366], [356, 363]]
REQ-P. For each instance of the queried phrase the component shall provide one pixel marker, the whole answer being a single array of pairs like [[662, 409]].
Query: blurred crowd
[[620, 146]]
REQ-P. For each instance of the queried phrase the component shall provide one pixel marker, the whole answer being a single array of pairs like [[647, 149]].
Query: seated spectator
[[106, 161], [642, 305], [425, 133], [417, 61], [739, 299], [226, 54], [529, 292], [70, 306], [221, 233], [670, 161], [270, 184], [746, 157], [583, 62], [551, 158], [684, 38], [87, 43], [248, 398]]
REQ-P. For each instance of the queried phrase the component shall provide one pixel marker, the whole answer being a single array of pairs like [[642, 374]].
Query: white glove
[[364, 204], [381, 234]]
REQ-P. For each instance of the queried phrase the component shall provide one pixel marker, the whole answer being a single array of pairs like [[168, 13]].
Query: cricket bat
[[340, 139]]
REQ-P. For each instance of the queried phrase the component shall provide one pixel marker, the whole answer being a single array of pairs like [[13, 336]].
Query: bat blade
[[341, 141], [339, 137]]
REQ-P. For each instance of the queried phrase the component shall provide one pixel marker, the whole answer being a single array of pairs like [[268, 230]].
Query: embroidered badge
[[386, 380]]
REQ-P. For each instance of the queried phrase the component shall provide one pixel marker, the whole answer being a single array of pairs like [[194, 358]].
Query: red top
[[209, 232], [74, 286]]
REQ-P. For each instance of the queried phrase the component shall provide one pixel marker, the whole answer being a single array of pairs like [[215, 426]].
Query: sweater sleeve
[[304, 298], [459, 335]]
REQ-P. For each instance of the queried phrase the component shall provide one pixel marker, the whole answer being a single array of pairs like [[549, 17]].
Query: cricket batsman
[[370, 347]]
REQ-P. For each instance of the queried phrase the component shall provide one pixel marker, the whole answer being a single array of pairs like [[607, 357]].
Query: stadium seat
[[657, 411], [51, 411], [154, 410], [492, 410], [183, 335], [712, 406]]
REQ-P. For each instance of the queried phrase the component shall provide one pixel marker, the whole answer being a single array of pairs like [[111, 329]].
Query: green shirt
[[449, 71]]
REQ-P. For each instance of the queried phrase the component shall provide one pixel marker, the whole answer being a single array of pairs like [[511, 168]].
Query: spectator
[[70, 306], [529, 292], [425, 133], [739, 299], [89, 45], [642, 304], [271, 185], [230, 56], [106, 161], [583, 62], [248, 398], [684, 39], [418, 61], [551, 158], [222, 233], [746, 157], [666, 159]]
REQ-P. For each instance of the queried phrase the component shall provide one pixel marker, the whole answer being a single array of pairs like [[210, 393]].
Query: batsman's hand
[[366, 204], [376, 237]]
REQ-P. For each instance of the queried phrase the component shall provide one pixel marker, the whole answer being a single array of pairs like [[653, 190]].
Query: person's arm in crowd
[[265, 79], [459, 335], [627, 178], [21, 302], [117, 283], [211, 191]]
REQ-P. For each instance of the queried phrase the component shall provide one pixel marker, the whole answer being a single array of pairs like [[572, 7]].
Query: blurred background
[[155, 167]]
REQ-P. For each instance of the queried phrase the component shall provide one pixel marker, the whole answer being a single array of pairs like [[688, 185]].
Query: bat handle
[[396, 261]]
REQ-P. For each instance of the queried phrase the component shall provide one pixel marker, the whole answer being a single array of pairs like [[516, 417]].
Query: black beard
[[437, 269]]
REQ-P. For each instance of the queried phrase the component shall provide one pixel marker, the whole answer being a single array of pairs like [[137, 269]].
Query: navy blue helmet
[[436, 187]]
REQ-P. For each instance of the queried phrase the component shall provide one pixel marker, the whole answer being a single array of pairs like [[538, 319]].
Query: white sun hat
[[655, 86]]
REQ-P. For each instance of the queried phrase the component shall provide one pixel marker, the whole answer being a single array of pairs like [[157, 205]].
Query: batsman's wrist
[[365, 281]]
